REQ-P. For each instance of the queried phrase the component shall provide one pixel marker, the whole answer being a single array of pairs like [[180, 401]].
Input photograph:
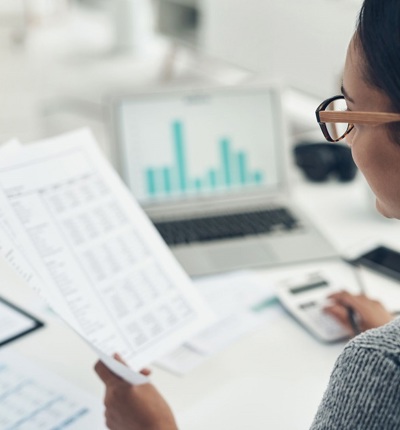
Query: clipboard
[[15, 322]]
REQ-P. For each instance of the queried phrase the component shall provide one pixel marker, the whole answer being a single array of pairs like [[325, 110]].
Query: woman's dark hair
[[378, 32]]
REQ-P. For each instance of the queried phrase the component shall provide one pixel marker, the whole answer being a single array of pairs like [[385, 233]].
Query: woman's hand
[[133, 407], [370, 313]]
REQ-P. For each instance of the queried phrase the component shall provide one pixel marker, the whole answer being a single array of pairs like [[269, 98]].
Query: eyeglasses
[[336, 121]]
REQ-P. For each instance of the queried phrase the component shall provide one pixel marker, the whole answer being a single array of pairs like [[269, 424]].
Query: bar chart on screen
[[232, 170], [194, 146]]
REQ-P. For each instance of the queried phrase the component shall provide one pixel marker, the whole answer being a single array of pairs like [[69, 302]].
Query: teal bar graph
[[180, 154], [213, 179], [198, 185], [242, 167], [258, 177], [167, 179], [226, 161], [232, 172], [151, 182]]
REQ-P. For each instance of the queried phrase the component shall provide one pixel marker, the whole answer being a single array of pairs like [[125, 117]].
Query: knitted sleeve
[[363, 392]]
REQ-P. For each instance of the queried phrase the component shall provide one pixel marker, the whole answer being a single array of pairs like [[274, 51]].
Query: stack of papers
[[238, 299], [75, 234]]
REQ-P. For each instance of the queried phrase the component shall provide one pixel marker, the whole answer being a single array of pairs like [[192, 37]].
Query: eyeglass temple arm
[[358, 117]]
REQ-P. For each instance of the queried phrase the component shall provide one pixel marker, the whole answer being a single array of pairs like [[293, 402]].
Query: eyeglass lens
[[337, 130]]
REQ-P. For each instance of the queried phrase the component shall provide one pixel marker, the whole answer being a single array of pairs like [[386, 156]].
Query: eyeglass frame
[[349, 117]]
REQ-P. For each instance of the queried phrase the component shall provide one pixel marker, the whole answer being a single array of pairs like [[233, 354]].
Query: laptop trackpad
[[223, 256], [239, 254]]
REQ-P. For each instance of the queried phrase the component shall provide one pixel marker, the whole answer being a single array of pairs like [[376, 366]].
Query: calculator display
[[309, 286]]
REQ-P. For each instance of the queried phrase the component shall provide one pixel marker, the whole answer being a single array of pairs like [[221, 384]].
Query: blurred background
[[61, 60]]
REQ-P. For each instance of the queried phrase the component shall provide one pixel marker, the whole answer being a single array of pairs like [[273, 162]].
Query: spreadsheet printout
[[9, 249], [104, 267]]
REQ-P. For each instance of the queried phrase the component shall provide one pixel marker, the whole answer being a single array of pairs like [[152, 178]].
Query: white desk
[[273, 378]]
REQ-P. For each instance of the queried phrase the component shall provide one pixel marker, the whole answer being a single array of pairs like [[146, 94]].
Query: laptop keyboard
[[227, 226]]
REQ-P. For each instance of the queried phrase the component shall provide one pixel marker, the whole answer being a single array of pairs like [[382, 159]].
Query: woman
[[364, 389]]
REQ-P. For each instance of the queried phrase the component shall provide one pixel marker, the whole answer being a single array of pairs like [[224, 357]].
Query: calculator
[[305, 297]]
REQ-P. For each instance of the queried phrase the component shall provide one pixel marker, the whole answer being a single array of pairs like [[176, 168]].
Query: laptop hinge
[[212, 206]]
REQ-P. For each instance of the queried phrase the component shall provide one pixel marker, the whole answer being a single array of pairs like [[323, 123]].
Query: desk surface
[[273, 378], [254, 382]]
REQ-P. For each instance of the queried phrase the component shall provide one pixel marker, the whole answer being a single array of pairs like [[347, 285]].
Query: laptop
[[209, 167]]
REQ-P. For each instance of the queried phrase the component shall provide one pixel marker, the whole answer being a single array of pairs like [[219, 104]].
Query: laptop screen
[[183, 146]]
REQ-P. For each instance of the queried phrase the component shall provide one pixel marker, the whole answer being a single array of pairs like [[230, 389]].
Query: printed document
[[239, 299], [102, 265], [36, 399], [10, 250]]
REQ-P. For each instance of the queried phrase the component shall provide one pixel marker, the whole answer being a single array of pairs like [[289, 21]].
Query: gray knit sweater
[[364, 388]]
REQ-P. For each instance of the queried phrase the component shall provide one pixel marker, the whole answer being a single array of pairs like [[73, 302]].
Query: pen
[[350, 311], [359, 279], [353, 320]]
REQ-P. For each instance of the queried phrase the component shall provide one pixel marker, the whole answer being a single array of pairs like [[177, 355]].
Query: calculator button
[[307, 305], [323, 322]]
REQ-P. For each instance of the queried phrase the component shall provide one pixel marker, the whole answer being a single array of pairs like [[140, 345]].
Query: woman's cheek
[[356, 155], [359, 146], [350, 138]]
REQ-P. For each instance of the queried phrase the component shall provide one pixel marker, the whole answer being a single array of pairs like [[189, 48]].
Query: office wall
[[302, 42], [7, 6]]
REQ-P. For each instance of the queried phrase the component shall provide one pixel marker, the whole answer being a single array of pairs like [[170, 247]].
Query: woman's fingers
[[119, 358], [145, 371], [340, 313], [344, 298], [105, 374]]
